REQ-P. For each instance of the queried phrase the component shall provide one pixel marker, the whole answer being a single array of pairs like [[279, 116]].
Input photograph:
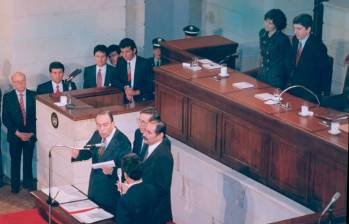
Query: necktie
[[129, 77], [99, 78], [144, 152], [21, 105], [101, 150], [157, 62], [58, 92], [299, 52]]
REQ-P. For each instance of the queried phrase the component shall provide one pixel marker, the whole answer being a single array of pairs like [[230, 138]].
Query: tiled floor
[[10, 202]]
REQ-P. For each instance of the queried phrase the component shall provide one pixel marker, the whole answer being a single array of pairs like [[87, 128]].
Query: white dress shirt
[[54, 86], [133, 68], [103, 71]]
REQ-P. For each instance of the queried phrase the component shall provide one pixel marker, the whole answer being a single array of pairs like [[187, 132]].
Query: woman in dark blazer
[[274, 48]]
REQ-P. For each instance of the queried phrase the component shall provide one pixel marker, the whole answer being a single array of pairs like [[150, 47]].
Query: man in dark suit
[[18, 115], [158, 168], [138, 202], [145, 115], [134, 73], [157, 59], [113, 54], [102, 189], [101, 74], [1, 170], [56, 85], [308, 63]]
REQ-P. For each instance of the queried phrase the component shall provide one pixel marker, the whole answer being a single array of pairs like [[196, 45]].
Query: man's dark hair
[[113, 48], [131, 164], [127, 42], [56, 65], [155, 115], [304, 20], [278, 18], [160, 127], [100, 48], [106, 112]]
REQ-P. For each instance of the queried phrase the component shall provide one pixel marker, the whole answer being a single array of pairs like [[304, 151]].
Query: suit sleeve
[[6, 116], [85, 85], [86, 154], [123, 214], [148, 87], [73, 86], [164, 175]]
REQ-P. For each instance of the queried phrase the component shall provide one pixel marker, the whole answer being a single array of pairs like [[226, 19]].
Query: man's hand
[[75, 153], [107, 170], [130, 93], [122, 187], [24, 136]]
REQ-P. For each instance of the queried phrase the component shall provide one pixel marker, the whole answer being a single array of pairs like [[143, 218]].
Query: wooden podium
[[292, 154], [74, 127]]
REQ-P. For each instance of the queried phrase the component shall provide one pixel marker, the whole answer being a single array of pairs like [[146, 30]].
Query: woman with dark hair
[[274, 47]]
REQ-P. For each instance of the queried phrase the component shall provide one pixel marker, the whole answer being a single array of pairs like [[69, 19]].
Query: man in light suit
[[145, 115], [158, 168], [101, 74], [135, 76], [138, 202], [56, 85], [19, 117], [308, 62], [102, 189]]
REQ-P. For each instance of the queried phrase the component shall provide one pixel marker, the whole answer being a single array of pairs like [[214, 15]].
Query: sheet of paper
[[243, 85], [211, 66], [205, 61], [264, 96], [64, 194], [79, 206], [195, 68], [92, 216], [109, 163]]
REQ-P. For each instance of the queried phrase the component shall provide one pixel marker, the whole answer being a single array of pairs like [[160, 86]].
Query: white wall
[[336, 38]]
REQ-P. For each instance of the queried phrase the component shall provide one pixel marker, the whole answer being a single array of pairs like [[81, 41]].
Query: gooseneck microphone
[[97, 145], [329, 208], [73, 75]]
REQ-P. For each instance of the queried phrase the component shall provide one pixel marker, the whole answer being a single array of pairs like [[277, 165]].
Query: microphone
[[119, 173], [73, 75], [97, 145], [333, 200]]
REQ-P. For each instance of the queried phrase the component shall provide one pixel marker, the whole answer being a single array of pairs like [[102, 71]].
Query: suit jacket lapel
[[137, 73], [93, 76], [107, 74]]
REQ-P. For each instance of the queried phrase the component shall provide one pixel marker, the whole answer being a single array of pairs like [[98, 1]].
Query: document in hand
[[64, 194], [92, 216], [109, 163]]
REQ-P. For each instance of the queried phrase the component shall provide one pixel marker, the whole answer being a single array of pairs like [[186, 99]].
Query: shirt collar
[[151, 148], [21, 92], [133, 60], [109, 138], [102, 68], [304, 40]]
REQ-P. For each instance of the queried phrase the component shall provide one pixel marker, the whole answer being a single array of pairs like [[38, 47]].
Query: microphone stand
[[51, 201], [69, 105], [286, 105]]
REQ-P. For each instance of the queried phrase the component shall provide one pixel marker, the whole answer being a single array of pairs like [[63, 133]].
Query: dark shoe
[[30, 186], [15, 190]]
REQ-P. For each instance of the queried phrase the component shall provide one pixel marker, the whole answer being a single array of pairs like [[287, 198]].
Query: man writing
[[102, 181]]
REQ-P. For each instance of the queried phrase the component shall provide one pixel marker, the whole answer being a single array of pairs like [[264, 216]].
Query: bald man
[[18, 115]]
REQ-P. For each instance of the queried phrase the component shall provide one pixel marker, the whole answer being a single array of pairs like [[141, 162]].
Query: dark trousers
[[16, 149], [1, 171]]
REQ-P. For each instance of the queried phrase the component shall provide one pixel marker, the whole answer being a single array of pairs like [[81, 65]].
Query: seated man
[[18, 115], [101, 187], [191, 31], [157, 59], [134, 73], [139, 199], [145, 115], [56, 85], [101, 74], [113, 54]]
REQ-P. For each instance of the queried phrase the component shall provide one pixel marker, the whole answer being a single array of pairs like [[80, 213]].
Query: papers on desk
[[264, 96], [92, 216], [208, 64], [79, 206], [109, 163], [243, 85], [64, 194]]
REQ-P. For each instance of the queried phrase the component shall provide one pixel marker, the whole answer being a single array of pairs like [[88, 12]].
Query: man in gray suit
[[102, 189]]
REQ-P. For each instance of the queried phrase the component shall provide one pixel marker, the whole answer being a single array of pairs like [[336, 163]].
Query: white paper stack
[[91, 216], [243, 85], [79, 206], [109, 164], [264, 96], [64, 194]]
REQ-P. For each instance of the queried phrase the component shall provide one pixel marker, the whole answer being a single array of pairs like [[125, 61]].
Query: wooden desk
[[213, 47], [291, 154], [58, 214]]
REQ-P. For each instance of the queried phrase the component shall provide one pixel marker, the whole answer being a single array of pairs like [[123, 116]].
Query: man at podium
[[113, 146]]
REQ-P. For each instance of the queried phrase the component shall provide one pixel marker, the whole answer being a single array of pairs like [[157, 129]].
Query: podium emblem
[[54, 120]]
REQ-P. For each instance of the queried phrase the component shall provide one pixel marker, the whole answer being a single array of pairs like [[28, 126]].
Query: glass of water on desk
[[195, 62]]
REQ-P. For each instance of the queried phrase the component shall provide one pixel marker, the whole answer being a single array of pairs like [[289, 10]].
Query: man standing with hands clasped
[[102, 181]]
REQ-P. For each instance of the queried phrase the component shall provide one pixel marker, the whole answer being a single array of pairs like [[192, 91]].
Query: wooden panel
[[244, 147], [173, 108], [203, 128], [327, 178], [289, 169]]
